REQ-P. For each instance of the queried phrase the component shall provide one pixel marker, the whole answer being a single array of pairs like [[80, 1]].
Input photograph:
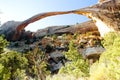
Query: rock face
[[93, 52], [53, 30], [9, 28], [88, 26], [105, 14]]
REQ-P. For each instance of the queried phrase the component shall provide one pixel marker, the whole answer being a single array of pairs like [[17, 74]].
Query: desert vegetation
[[35, 64], [106, 68]]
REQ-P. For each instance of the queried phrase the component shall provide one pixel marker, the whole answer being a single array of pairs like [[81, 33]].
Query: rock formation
[[88, 26], [105, 14], [14, 28]]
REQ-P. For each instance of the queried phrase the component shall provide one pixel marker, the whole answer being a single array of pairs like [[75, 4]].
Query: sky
[[19, 10]]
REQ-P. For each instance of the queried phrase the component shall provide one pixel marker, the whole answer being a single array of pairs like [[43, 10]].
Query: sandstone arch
[[105, 14]]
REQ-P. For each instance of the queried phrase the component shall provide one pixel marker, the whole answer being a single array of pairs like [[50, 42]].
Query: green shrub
[[109, 39], [77, 66], [54, 37], [37, 67], [12, 64], [3, 44], [108, 66]]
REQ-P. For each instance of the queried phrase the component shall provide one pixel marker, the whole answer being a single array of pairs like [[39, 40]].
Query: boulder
[[56, 54], [93, 52], [9, 29]]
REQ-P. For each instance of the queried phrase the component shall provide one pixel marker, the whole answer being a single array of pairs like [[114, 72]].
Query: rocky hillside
[[54, 41]]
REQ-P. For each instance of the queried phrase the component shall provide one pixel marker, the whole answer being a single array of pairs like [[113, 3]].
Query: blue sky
[[20, 10]]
